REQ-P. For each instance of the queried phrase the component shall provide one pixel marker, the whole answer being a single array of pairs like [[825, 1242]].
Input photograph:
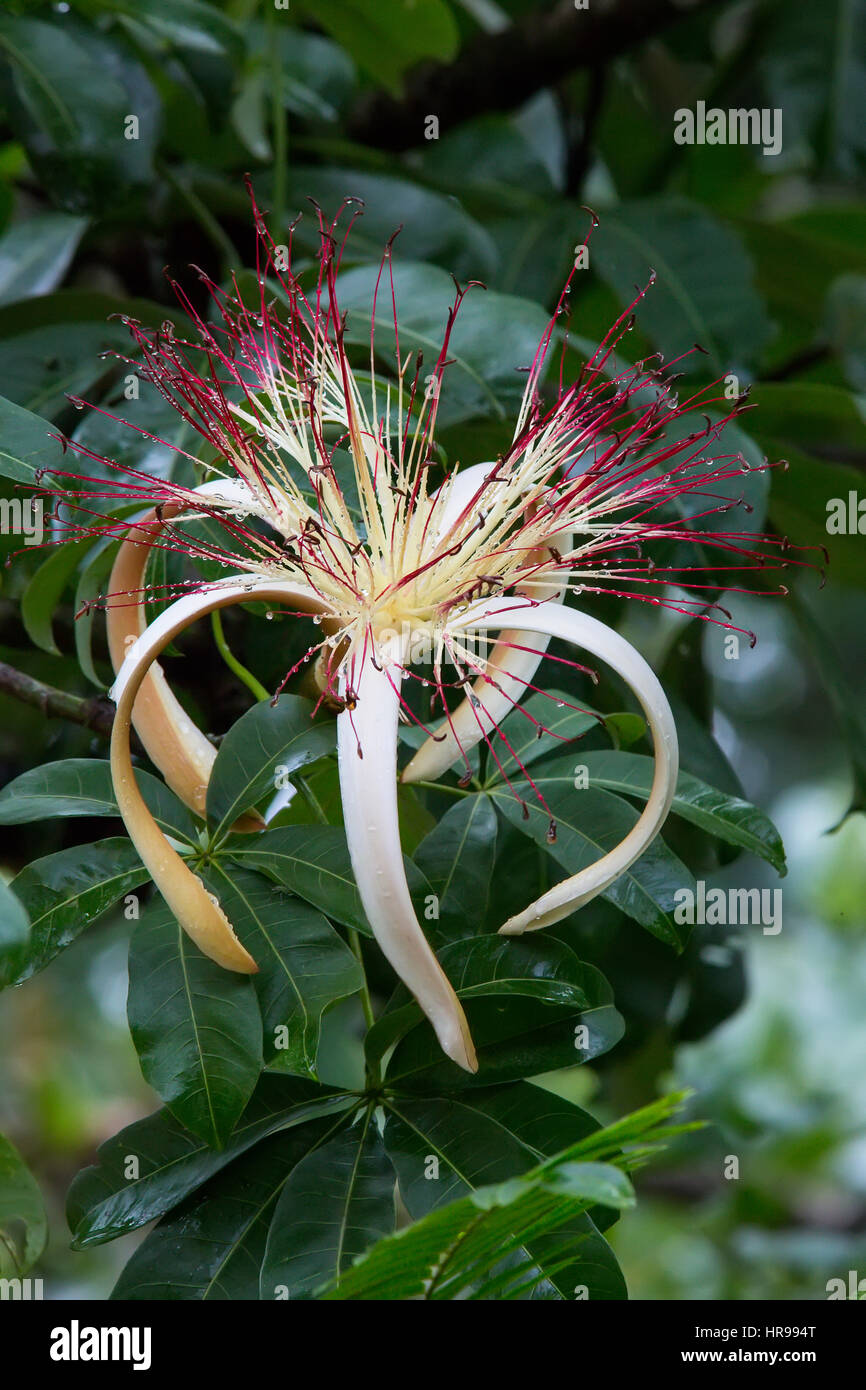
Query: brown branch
[[498, 72], [95, 712]]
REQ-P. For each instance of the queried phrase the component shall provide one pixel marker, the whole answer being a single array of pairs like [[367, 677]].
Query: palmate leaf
[[728, 817], [196, 1027], [213, 1246], [542, 724], [457, 859], [532, 1006], [83, 787], [304, 966], [589, 823], [490, 1137], [466, 1249], [63, 893], [313, 861], [150, 1167], [336, 1203], [268, 737]]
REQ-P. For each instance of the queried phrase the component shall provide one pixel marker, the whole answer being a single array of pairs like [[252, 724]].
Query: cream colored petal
[[196, 909], [369, 791], [509, 673], [182, 753], [600, 641]]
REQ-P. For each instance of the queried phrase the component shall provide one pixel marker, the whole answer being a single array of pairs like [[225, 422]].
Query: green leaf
[[337, 1202], [90, 586], [727, 817], [77, 143], [845, 321], [23, 1223], [494, 337], [63, 893], [490, 1137], [471, 1248], [814, 73], [386, 37], [528, 1002], [266, 744], [457, 859], [313, 861], [703, 291], [433, 228], [43, 593], [151, 1166], [51, 346], [14, 922], [35, 254], [196, 1027], [304, 966], [538, 726], [83, 787], [213, 1246], [187, 23], [590, 823], [26, 443]]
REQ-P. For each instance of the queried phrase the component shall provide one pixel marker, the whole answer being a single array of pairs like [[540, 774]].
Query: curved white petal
[[601, 641], [510, 672], [198, 913], [369, 791], [182, 753]]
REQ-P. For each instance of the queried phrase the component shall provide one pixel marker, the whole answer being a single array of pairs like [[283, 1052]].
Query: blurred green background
[[538, 111]]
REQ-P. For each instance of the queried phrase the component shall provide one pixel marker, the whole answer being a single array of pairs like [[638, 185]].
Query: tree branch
[[498, 72], [95, 712]]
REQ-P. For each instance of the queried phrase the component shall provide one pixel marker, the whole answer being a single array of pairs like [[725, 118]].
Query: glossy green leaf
[[385, 37], [311, 860], [196, 1027], [304, 966], [728, 817], [26, 443], [490, 1137], [472, 1247], [23, 1223], [259, 753], [213, 1246], [83, 787], [336, 1203], [532, 1007], [63, 893], [14, 921], [35, 254], [590, 823], [494, 339], [703, 291], [457, 859], [69, 91], [44, 591], [543, 724], [150, 1167]]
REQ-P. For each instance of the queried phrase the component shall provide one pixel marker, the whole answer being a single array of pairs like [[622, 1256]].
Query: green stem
[[310, 797], [202, 215], [278, 121], [231, 660], [443, 787]]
